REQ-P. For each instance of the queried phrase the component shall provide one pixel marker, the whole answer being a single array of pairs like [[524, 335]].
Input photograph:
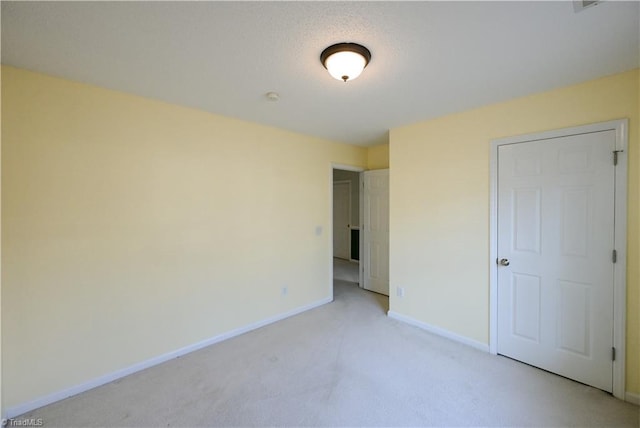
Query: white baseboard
[[110, 377], [439, 331], [632, 398]]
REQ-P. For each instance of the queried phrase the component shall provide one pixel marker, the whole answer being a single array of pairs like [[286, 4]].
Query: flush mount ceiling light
[[345, 61]]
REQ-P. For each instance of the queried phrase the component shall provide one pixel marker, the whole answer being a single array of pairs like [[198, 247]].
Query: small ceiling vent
[[580, 5]]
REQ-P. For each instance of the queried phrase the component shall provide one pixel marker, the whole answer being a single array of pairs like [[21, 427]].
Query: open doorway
[[359, 205], [346, 225]]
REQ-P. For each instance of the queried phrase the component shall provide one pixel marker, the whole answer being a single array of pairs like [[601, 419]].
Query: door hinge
[[615, 156], [614, 256], [613, 353]]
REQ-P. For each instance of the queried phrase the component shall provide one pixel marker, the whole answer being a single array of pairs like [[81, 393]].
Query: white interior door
[[376, 231], [341, 216], [556, 236]]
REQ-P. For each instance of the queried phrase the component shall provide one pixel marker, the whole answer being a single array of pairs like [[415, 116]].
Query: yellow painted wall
[[378, 156], [439, 196], [132, 228]]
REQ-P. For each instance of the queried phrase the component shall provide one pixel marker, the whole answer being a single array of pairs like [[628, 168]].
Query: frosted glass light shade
[[345, 61], [345, 65]]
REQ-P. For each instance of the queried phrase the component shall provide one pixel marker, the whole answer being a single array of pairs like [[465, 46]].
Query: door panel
[[556, 228], [574, 308], [575, 221], [525, 306], [376, 231], [526, 220]]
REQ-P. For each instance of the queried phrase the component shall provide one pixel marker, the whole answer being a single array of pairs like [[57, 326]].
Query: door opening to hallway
[[361, 226], [346, 225]]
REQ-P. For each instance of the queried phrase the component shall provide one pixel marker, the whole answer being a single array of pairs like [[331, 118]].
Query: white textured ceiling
[[428, 59]]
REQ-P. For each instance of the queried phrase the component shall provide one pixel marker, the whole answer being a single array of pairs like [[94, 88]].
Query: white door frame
[[343, 167], [620, 237]]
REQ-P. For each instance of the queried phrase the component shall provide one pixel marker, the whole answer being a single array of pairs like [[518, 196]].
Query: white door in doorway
[[341, 216], [555, 246], [376, 231]]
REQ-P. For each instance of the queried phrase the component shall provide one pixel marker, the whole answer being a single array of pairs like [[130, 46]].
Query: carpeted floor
[[343, 364], [345, 270]]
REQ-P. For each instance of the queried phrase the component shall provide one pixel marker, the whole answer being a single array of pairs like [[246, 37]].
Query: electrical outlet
[[400, 291]]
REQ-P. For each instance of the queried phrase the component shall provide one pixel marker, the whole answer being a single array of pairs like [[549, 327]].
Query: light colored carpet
[[343, 364], [345, 270]]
